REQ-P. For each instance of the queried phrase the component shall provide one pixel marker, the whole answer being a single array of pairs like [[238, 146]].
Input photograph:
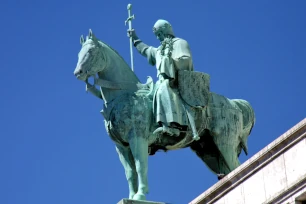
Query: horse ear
[[82, 40], [92, 36]]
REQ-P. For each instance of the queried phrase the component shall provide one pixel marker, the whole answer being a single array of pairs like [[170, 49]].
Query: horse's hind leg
[[139, 147], [231, 156], [127, 160]]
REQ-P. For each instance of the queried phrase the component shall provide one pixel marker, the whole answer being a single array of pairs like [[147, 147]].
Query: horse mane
[[103, 43], [124, 62]]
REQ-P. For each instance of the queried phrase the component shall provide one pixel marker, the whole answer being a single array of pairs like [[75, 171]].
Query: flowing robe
[[168, 107]]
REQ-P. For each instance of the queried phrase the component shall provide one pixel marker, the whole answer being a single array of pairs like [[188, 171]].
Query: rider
[[172, 55]]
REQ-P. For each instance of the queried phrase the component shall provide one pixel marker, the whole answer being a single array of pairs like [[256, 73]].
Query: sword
[[129, 20]]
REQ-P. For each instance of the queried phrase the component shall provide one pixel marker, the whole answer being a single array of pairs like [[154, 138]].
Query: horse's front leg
[[127, 160], [139, 147]]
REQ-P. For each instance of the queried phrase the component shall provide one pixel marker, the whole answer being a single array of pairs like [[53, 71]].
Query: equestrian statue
[[178, 111]]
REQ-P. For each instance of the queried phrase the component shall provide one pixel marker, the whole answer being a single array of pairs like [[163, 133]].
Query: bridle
[[106, 83], [113, 85]]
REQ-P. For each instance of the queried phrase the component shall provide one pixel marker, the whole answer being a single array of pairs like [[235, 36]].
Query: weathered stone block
[[275, 177], [295, 162], [254, 189], [236, 196]]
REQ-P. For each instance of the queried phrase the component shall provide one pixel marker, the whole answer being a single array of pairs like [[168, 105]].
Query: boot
[[168, 130]]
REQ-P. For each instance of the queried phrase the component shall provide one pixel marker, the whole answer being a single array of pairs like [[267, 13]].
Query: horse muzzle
[[80, 73]]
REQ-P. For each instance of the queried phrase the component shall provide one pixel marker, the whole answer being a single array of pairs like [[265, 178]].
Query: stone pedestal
[[128, 201]]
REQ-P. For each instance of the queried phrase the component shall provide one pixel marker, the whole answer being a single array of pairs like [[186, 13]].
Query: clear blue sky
[[53, 144]]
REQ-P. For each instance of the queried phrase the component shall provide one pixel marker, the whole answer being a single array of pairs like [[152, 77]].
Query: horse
[[223, 124]]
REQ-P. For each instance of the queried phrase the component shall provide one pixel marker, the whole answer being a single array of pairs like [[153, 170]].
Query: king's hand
[[132, 34]]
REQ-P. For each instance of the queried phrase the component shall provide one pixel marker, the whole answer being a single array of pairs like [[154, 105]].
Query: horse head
[[91, 59]]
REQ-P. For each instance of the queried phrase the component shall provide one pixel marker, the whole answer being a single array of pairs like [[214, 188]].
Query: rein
[[114, 85]]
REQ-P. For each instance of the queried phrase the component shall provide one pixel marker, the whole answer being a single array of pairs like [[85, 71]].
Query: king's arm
[[182, 55], [145, 50]]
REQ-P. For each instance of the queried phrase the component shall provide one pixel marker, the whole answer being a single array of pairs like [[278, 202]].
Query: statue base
[[129, 201]]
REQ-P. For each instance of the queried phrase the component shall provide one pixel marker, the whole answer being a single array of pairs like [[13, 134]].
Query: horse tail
[[248, 122]]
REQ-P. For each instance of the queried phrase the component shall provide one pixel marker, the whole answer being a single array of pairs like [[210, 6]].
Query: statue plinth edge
[[129, 201]]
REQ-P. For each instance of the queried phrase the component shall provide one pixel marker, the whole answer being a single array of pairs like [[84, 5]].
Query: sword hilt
[[129, 19]]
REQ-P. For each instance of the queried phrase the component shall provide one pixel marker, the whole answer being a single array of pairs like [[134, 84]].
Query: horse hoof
[[220, 176], [139, 196]]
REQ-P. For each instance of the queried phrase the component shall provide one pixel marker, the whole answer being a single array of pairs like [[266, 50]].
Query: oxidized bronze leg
[[139, 148], [127, 160]]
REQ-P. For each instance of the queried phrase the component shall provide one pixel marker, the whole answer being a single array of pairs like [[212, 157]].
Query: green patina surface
[[178, 111]]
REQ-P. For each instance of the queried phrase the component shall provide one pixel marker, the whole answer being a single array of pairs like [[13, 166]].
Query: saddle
[[147, 88]]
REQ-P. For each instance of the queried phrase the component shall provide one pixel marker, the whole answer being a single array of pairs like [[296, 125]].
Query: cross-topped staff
[[129, 20]]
